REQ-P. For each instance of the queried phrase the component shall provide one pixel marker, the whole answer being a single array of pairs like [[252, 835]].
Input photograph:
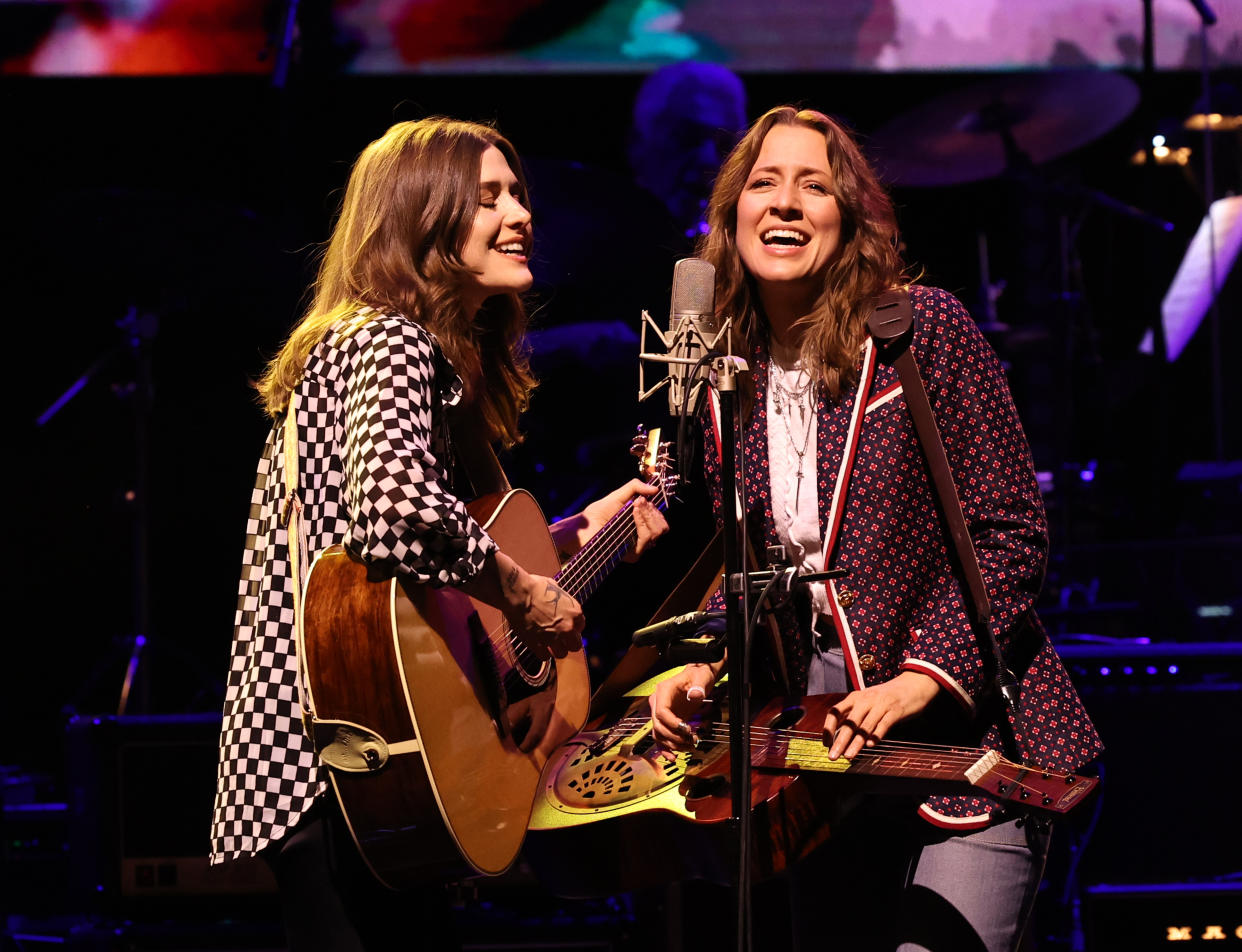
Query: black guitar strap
[[468, 432], [892, 328]]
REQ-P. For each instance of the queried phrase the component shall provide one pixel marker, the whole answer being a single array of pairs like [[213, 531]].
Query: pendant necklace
[[801, 395]]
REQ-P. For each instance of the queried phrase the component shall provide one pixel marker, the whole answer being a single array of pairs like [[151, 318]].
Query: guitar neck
[[942, 766], [583, 573]]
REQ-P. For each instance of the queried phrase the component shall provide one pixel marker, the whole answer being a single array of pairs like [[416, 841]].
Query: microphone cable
[[684, 464]]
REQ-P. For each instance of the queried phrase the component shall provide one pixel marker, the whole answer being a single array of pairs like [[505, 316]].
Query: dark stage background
[[159, 233]]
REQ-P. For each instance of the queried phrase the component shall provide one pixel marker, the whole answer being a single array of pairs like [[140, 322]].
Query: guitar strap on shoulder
[[478, 458], [298, 544], [891, 325]]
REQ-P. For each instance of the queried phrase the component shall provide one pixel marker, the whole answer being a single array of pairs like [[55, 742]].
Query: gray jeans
[[888, 879]]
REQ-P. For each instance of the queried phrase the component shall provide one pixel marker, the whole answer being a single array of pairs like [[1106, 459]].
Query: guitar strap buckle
[[308, 728], [348, 747]]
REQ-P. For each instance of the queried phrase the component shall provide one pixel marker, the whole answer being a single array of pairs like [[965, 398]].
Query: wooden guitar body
[[445, 725]]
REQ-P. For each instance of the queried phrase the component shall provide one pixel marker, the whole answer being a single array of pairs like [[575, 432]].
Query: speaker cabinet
[[1146, 918], [1170, 716], [141, 791]]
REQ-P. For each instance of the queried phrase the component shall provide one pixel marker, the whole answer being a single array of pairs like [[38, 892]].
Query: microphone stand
[[139, 328], [737, 611], [737, 587]]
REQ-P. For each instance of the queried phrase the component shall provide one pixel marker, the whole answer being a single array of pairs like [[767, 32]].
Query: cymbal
[[961, 136]]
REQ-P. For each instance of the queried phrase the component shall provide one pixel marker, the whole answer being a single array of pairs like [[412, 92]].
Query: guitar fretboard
[[583, 573]]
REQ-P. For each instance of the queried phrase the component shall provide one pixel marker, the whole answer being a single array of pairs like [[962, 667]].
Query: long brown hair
[[396, 246], [866, 264]]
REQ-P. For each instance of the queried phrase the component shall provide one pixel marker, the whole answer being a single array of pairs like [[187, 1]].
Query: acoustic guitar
[[435, 720], [657, 820]]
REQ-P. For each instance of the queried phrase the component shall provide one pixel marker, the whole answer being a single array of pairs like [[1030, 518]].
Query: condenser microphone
[[664, 631], [693, 330]]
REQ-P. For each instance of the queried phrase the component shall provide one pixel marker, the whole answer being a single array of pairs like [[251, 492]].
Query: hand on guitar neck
[[856, 721], [865, 716], [542, 613], [573, 532]]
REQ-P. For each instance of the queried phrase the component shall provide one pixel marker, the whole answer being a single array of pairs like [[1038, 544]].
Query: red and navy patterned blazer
[[901, 605]]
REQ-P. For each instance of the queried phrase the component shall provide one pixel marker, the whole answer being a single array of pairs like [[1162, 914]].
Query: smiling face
[[788, 222], [498, 247]]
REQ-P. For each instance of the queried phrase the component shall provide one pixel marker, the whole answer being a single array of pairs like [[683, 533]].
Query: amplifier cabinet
[[1170, 715], [1165, 916], [140, 795]]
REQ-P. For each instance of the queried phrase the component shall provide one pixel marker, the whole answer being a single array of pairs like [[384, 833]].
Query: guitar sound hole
[[644, 745], [533, 671], [787, 718], [700, 788]]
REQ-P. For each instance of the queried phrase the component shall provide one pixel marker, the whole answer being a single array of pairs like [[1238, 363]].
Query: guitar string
[[966, 755], [917, 756], [616, 532], [869, 759], [613, 535], [940, 753], [636, 721], [761, 738], [568, 578], [591, 563]]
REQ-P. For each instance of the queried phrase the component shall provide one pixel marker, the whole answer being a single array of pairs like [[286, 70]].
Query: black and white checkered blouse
[[373, 451]]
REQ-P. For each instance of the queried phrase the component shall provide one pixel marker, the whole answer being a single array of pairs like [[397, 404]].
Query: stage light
[[1221, 113]]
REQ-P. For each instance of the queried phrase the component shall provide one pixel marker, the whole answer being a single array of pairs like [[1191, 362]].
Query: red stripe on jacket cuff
[[946, 682], [946, 822]]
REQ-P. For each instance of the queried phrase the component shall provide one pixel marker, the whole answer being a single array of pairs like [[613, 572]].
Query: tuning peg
[[638, 446]]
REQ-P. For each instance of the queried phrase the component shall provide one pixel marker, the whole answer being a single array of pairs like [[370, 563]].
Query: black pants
[[331, 903]]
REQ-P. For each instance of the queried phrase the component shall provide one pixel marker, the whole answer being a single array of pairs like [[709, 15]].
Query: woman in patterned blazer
[[416, 309], [803, 238]]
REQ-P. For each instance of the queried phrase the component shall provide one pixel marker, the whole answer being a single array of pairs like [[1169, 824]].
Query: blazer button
[[846, 597], [867, 662]]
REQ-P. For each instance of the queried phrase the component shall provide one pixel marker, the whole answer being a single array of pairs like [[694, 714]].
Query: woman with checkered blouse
[[416, 310]]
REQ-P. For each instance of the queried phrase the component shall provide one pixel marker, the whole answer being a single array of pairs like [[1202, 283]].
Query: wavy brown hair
[[866, 263], [397, 246]]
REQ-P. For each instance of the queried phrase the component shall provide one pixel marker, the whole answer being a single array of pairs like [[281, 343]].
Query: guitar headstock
[[654, 460], [1042, 789]]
